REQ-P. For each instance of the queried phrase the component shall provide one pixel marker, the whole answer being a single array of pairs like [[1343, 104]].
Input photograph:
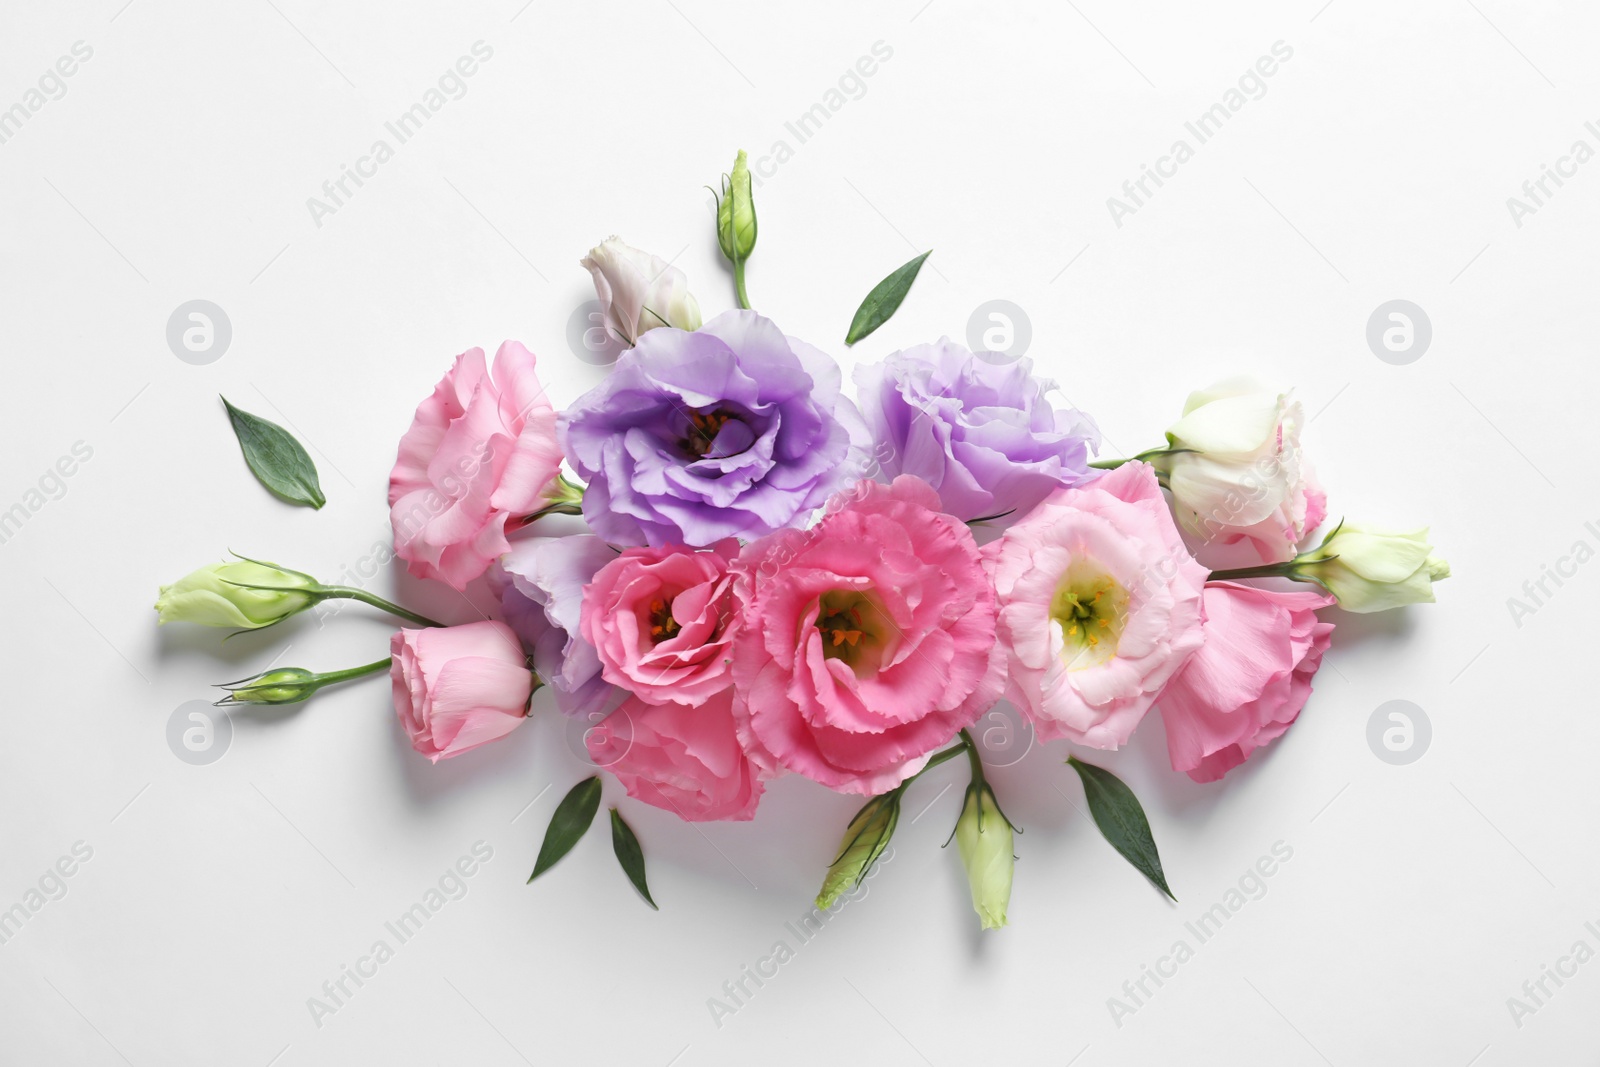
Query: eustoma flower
[[1250, 679], [1236, 471], [639, 291], [684, 760], [541, 582], [866, 642], [731, 431], [662, 621], [222, 594], [1372, 569], [976, 426], [480, 451], [458, 687], [1099, 606]]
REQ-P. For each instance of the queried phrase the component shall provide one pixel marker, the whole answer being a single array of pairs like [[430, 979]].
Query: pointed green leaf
[[276, 458], [570, 822], [884, 300], [1121, 819], [626, 846]]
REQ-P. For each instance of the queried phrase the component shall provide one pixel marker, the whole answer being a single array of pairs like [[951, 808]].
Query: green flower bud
[[984, 836], [287, 685], [243, 593], [864, 841], [290, 685], [736, 213], [1372, 569]]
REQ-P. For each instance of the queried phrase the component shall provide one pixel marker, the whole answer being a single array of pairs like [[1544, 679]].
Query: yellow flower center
[[1089, 609]]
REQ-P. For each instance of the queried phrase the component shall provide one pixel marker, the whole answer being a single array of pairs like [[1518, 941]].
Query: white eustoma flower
[[1236, 470], [639, 291]]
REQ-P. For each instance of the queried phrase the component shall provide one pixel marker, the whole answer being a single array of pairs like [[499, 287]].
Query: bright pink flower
[[1249, 680], [662, 620], [868, 640], [458, 687], [683, 760], [482, 449], [1099, 606]]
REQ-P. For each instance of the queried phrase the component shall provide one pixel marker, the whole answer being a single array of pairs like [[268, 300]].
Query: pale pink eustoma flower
[[458, 687], [481, 452], [1099, 606], [1249, 680]]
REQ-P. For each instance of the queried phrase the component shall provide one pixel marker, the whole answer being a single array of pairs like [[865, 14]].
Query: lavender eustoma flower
[[540, 583], [733, 430], [977, 427]]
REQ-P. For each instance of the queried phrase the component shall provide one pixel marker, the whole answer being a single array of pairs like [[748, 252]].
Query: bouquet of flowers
[[780, 579]]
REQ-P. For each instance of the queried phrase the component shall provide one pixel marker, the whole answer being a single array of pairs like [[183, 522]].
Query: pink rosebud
[[480, 451], [684, 760], [458, 687], [1249, 680], [662, 620]]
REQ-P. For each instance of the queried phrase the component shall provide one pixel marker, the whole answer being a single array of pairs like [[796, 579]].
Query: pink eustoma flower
[[662, 621], [480, 451], [1249, 680], [1099, 606], [458, 687], [867, 641], [683, 760]]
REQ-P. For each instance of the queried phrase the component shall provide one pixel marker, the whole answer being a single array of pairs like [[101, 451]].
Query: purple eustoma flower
[[733, 430], [540, 583], [978, 427]]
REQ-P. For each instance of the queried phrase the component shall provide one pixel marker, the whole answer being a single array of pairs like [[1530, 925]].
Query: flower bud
[[1371, 569], [864, 841], [286, 685], [736, 213], [639, 291], [243, 593], [984, 836]]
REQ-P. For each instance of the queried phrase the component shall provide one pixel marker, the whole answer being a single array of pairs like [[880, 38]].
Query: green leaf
[[884, 300], [626, 846], [276, 458], [1121, 819], [569, 823]]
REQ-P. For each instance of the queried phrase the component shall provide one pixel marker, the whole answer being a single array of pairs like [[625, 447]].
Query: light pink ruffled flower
[[1249, 680], [868, 640], [663, 621], [458, 687], [481, 450], [683, 760], [1099, 606]]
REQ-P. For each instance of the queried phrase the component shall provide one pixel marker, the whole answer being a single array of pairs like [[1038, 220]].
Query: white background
[[219, 898]]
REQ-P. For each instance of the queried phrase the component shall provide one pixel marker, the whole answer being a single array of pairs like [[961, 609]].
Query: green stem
[[1143, 457], [972, 757], [346, 592], [738, 284], [332, 677], [939, 757], [1266, 570]]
